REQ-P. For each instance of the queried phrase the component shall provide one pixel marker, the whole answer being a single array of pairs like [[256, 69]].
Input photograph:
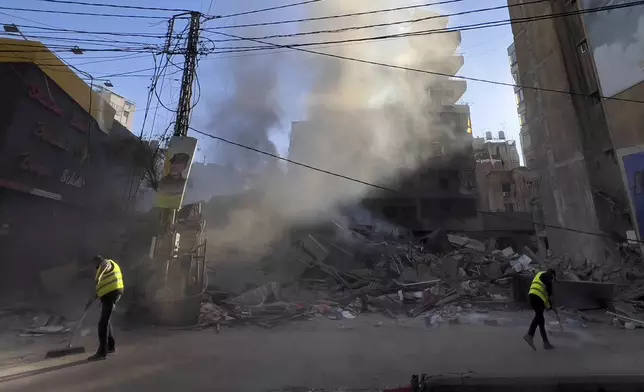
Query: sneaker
[[97, 357], [530, 340], [548, 346]]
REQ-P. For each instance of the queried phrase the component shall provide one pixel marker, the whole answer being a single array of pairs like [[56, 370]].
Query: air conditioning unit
[[506, 194]]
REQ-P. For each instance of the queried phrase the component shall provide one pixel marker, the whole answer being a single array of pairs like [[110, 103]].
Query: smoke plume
[[364, 121]]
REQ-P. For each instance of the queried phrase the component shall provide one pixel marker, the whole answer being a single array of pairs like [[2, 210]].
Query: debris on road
[[347, 273]]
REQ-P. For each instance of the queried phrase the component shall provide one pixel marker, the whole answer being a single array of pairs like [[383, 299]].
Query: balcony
[[450, 65], [447, 91]]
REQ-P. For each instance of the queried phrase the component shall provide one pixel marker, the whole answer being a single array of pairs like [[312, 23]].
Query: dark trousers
[[539, 320], [105, 335]]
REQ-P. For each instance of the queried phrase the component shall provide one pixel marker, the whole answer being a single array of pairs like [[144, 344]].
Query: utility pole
[[184, 107], [178, 265]]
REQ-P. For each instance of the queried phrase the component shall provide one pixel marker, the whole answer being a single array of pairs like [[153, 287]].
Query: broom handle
[[80, 322]]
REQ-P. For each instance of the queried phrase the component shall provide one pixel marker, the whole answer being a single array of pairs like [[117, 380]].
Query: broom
[[69, 350]]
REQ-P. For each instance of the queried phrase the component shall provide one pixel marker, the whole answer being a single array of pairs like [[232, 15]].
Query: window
[[515, 76], [522, 119], [469, 125], [583, 46], [126, 115], [505, 187], [595, 97], [519, 96], [526, 142], [509, 207], [513, 57]]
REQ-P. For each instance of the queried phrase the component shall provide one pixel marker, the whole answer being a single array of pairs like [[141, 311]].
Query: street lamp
[[13, 29]]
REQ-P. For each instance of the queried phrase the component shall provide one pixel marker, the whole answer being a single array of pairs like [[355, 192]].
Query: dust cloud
[[364, 121]]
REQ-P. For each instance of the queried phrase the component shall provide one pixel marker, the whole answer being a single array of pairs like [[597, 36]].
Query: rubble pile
[[347, 273]]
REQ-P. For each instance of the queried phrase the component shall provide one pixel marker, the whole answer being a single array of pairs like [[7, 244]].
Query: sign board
[[172, 185], [631, 161]]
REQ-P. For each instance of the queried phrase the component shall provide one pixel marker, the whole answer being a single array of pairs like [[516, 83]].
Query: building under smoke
[[416, 142]]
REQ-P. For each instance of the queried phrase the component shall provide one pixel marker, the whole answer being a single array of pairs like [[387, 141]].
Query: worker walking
[[540, 297], [109, 288]]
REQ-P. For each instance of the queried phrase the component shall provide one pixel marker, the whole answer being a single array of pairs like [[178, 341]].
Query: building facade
[[124, 108], [66, 167], [503, 185], [584, 136]]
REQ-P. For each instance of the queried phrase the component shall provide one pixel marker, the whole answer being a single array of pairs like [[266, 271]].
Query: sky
[[493, 107]]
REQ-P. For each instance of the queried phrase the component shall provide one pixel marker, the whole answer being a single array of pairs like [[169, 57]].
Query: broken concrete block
[[466, 242], [527, 251], [629, 325], [521, 264], [423, 272], [315, 248], [494, 270], [257, 296], [507, 252], [450, 265]]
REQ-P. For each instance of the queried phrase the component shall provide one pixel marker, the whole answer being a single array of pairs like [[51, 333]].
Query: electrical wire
[[384, 188], [87, 40], [119, 6], [404, 68], [118, 34], [82, 13], [407, 21], [279, 7], [447, 29], [279, 22]]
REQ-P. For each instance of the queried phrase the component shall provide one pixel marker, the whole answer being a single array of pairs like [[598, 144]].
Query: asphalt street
[[368, 352]]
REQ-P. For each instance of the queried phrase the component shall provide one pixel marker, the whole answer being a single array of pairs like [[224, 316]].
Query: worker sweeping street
[[109, 288], [540, 298]]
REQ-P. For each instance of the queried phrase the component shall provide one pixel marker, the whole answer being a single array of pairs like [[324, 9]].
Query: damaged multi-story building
[[503, 184], [581, 78], [439, 191]]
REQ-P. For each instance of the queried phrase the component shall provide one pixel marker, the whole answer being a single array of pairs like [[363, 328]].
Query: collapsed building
[[438, 189]]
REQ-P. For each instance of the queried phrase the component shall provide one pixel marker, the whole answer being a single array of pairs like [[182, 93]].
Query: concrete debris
[[257, 296], [507, 252], [466, 243], [624, 319], [344, 274], [522, 263], [50, 329]]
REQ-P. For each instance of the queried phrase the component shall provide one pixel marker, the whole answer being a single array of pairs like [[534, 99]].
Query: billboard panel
[[172, 185], [631, 161], [616, 39]]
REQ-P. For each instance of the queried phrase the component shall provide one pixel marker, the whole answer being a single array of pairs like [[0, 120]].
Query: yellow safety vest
[[539, 289], [110, 281]]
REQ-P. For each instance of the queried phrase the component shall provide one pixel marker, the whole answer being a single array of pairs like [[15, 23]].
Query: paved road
[[365, 353]]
